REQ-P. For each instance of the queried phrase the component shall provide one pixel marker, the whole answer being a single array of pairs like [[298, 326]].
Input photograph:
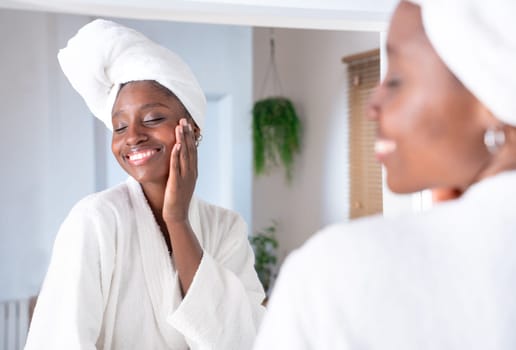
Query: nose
[[135, 134], [373, 105]]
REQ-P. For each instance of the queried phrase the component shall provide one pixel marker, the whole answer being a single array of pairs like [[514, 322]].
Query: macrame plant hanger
[[271, 72], [276, 126]]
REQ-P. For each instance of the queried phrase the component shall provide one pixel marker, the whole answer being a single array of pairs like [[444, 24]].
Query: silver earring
[[494, 139], [198, 140]]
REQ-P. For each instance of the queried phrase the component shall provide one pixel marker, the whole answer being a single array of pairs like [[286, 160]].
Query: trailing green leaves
[[276, 135], [264, 244]]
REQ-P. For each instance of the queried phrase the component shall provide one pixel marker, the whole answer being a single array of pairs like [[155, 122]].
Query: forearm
[[186, 252]]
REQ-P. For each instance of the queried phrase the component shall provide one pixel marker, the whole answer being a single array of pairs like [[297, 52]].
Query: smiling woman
[[444, 278], [146, 264]]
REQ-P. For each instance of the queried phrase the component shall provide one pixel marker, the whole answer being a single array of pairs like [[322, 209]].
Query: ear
[[196, 129]]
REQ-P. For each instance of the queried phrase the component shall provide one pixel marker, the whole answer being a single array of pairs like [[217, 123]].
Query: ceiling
[[368, 15]]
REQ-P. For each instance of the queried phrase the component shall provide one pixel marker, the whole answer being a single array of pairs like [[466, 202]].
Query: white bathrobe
[[111, 283], [443, 279]]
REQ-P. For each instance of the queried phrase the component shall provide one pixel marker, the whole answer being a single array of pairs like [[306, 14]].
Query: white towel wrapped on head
[[103, 55], [476, 39]]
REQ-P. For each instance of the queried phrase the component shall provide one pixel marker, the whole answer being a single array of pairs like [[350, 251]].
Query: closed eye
[[393, 83], [153, 121], [120, 129]]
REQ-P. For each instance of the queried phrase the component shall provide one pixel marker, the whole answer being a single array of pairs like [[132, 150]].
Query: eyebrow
[[145, 106]]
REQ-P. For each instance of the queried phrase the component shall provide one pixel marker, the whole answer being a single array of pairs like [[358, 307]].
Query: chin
[[147, 174], [400, 186], [153, 179], [140, 177]]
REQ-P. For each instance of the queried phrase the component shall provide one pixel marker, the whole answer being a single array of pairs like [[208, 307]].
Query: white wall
[[314, 78], [42, 128], [55, 152]]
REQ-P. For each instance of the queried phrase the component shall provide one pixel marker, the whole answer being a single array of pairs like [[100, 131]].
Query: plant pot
[[276, 135]]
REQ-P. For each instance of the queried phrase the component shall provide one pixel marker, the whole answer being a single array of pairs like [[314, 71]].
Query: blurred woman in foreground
[[445, 278]]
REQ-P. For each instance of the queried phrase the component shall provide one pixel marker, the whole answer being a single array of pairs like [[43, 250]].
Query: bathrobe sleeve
[[222, 308], [69, 310]]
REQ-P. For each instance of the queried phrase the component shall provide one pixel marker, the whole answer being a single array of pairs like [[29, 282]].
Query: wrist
[[177, 222]]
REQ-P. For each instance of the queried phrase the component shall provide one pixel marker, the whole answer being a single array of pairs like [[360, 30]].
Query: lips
[[384, 147], [141, 156]]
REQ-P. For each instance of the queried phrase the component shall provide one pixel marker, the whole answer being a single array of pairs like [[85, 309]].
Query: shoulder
[[103, 202], [98, 212], [377, 235], [217, 215], [359, 234], [363, 256], [361, 251], [344, 267]]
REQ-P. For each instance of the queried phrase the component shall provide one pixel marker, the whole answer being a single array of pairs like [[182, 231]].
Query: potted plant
[[276, 134], [264, 244], [276, 126]]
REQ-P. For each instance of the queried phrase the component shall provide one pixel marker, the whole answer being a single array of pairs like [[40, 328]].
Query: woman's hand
[[186, 250], [182, 176]]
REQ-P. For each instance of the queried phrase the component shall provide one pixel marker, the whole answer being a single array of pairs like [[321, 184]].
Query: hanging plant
[[276, 134], [276, 127]]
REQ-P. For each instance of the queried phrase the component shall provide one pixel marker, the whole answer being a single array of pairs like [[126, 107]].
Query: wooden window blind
[[365, 173]]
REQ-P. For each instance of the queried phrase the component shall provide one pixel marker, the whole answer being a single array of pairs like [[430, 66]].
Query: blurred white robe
[[111, 283], [442, 279]]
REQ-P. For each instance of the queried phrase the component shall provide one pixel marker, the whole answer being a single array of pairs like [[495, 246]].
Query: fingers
[[188, 150], [191, 148], [174, 163], [184, 154]]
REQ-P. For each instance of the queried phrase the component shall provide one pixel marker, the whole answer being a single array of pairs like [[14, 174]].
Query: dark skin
[[154, 142], [434, 126]]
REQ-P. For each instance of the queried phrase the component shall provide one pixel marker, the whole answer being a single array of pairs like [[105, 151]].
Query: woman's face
[[144, 120], [430, 128]]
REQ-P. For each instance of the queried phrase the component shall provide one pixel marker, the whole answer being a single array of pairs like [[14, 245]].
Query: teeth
[[141, 155], [384, 146]]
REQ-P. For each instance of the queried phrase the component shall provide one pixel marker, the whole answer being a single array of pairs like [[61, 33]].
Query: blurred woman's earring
[[494, 139], [198, 140]]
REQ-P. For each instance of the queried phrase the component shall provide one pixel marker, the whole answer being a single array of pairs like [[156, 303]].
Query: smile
[[140, 157], [383, 147]]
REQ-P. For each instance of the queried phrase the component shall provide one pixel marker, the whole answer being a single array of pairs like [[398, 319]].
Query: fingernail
[[190, 127], [178, 147]]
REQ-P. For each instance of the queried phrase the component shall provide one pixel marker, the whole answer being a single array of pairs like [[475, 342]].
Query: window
[[365, 171]]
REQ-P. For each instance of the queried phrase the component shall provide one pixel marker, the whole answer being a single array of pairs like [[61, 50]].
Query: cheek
[[168, 139], [168, 134], [399, 118], [115, 146], [411, 117], [446, 125]]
